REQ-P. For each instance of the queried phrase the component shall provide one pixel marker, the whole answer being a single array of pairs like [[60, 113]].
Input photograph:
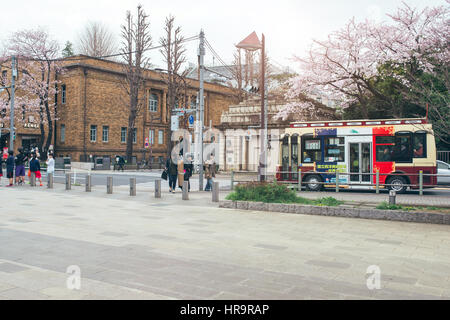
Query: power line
[[73, 58], [218, 57]]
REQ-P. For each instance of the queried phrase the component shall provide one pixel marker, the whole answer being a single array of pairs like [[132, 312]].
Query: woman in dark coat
[[172, 171]]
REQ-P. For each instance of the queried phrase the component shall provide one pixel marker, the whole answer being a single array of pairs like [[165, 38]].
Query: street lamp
[[252, 43]]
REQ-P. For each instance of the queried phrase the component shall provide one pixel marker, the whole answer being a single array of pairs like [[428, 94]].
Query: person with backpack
[[10, 168], [35, 168]]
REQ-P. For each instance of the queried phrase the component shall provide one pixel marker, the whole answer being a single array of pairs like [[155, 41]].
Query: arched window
[[153, 103]]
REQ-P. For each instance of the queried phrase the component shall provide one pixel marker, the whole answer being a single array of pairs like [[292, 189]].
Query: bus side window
[[420, 144], [403, 147]]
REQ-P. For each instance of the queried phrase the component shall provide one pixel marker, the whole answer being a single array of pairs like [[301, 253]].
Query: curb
[[340, 211]]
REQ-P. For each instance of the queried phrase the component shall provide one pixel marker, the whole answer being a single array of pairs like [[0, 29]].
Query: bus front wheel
[[313, 183], [397, 183]]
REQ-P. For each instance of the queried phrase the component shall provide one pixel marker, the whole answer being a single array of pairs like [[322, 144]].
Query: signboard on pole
[[174, 123], [191, 121], [146, 145]]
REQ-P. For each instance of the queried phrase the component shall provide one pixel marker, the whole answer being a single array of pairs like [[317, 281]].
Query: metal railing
[[443, 156], [337, 184]]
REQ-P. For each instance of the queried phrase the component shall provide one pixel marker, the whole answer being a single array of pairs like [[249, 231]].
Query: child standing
[[35, 168], [10, 168]]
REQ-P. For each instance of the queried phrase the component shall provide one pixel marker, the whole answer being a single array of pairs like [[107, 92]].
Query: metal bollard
[[68, 181], [392, 195], [185, 190], [132, 186], [337, 180], [421, 182], [215, 192], [377, 181], [299, 187], [50, 180], [109, 185], [88, 183], [33, 179], [158, 188], [232, 179]]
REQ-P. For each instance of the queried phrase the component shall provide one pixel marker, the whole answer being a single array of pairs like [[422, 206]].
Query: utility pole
[[201, 53], [263, 131], [11, 121]]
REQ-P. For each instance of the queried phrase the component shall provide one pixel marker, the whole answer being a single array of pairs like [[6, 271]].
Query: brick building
[[93, 115]]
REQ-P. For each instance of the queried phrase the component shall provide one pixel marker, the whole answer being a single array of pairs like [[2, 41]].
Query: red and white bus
[[397, 148]]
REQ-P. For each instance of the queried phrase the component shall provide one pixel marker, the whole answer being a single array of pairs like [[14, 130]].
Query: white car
[[443, 169]]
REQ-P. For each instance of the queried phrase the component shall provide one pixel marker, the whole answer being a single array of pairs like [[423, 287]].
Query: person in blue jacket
[[35, 168]]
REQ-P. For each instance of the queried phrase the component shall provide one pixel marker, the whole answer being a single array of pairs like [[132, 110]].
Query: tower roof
[[250, 43]]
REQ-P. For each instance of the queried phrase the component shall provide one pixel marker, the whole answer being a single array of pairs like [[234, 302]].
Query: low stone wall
[[341, 211], [82, 165]]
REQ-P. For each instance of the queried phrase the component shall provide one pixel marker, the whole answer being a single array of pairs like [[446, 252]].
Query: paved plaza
[[146, 248]]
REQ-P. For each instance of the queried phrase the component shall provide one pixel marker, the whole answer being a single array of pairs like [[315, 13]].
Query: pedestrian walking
[[210, 172], [188, 169], [171, 169], [1, 170], [10, 168], [20, 161], [121, 163], [35, 168]]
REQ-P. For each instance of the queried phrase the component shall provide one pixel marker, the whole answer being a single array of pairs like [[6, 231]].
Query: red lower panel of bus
[[413, 175]]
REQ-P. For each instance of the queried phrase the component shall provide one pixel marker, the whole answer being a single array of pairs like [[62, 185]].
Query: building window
[[123, 134], [160, 137], [63, 133], [105, 134], [63, 94], [93, 133], [151, 136], [134, 135], [153, 103]]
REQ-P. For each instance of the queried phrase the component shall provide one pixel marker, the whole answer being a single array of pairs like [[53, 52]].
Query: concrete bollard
[[185, 190], [88, 183], [421, 182], [337, 180], [232, 179], [109, 185], [392, 195], [50, 180], [132, 186], [377, 177], [299, 187], [68, 181], [158, 188], [215, 192], [33, 179]]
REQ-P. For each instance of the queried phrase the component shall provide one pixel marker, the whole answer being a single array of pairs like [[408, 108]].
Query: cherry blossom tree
[[38, 70], [347, 65]]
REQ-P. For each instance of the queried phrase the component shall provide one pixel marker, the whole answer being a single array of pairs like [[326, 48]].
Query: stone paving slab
[[193, 251]]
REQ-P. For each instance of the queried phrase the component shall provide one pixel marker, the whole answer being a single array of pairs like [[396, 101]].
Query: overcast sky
[[288, 25]]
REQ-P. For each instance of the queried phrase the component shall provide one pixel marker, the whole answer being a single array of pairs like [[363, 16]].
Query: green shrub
[[274, 193], [386, 206]]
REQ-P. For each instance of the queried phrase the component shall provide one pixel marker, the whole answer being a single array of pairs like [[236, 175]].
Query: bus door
[[360, 162]]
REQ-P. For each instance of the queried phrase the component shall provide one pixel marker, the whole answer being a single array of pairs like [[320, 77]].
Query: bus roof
[[359, 122]]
